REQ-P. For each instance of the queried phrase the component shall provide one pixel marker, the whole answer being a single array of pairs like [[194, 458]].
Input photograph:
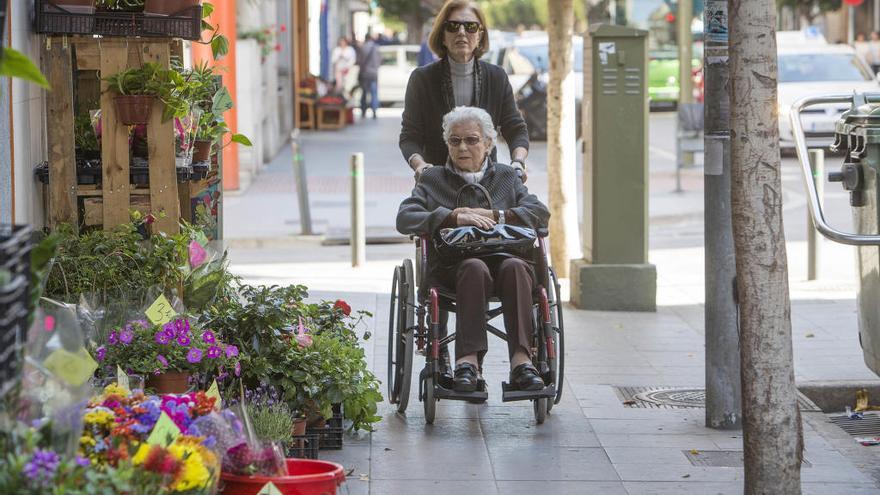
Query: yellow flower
[[99, 416], [115, 389], [193, 474], [141, 454]]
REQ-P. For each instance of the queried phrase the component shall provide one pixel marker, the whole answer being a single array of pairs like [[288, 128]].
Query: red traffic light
[[670, 17]]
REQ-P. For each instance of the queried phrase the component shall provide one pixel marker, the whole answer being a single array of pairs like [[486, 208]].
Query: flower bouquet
[[173, 351]]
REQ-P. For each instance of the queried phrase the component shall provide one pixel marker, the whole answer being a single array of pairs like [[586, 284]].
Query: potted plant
[[120, 5], [138, 88], [170, 354], [85, 138]]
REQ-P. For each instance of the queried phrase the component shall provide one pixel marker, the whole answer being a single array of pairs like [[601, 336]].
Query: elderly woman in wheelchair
[[474, 206]]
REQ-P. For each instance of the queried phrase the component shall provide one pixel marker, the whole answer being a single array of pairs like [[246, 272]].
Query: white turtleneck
[[470, 177]]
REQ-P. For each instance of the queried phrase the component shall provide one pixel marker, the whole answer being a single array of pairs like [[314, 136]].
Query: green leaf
[[219, 46], [222, 101], [207, 9], [241, 139], [15, 64]]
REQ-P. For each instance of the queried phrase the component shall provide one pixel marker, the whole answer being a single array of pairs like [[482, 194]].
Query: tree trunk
[[562, 177], [772, 440], [414, 29]]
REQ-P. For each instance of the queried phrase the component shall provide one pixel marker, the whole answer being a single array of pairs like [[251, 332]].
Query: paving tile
[[647, 455], [676, 488], [422, 460], [839, 489], [444, 431], [561, 488], [513, 462], [682, 442], [431, 487], [677, 473], [351, 457]]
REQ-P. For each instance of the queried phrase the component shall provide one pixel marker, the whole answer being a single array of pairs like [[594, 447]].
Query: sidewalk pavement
[[591, 442]]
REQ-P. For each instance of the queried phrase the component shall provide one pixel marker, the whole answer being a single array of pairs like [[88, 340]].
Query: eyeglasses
[[469, 26], [470, 140]]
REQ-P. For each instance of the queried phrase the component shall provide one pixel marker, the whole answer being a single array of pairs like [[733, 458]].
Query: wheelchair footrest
[[510, 393], [480, 394]]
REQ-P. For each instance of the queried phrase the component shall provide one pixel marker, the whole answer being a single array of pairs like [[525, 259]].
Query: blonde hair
[[435, 40]]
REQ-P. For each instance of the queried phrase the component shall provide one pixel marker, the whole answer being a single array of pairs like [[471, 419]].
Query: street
[[592, 442]]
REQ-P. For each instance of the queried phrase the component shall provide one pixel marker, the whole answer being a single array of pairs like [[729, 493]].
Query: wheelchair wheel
[[400, 336], [557, 365], [429, 400], [541, 407]]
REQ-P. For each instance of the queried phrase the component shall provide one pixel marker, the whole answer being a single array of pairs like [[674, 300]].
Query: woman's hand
[[420, 169], [475, 217]]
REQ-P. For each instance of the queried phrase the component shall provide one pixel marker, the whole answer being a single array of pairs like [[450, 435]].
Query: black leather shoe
[[465, 378], [526, 377], [445, 369]]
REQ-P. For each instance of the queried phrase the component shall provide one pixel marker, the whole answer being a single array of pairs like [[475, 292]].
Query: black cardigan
[[421, 127]]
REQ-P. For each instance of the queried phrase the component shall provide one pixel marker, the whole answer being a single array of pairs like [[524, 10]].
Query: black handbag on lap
[[459, 243]]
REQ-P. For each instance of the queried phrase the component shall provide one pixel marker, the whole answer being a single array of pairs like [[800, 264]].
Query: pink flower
[[304, 339], [183, 340], [197, 254], [231, 351], [49, 323], [126, 336], [214, 352], [238, 368], [100, 353], [164, 337], [162, 360], [283, 28], [208, 337], [149, 219], [113, 338]]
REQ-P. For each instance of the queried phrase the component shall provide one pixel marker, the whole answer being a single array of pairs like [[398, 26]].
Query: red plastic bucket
[[306, 477]]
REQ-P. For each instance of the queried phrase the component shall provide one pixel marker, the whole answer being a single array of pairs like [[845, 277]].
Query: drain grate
[[679, 397], [720, 458], [868, 426]]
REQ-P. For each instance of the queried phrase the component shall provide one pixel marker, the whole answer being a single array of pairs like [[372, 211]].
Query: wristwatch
[[500, 216]]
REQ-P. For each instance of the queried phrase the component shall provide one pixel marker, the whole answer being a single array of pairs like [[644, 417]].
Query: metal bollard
[[814, 240], [358, 229], [302, 186]]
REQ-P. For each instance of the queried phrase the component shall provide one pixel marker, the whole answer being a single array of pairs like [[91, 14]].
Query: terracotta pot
[[169, 383], [299, 427], [169, 7], [75, 6], [201, 151], [133, 109]]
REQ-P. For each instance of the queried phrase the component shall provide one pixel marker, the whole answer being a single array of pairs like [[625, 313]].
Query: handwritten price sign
[[160, 312]]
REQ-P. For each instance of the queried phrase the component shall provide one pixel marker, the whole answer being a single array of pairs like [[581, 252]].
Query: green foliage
[[807, 8], [167, 85], [15, 64], [219, 43], [84, 135], [122, 5], [273, 423]]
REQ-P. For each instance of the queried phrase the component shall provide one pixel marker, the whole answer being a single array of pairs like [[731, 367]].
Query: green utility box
[[615, 274]]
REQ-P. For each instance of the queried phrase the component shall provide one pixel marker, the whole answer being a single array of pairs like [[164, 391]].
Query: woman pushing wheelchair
[[491, 199]]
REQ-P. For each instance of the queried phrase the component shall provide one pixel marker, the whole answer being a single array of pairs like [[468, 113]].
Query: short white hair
[[462, 114]]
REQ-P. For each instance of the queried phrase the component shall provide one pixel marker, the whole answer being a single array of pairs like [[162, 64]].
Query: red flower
[[283, 28], [277, 47], [342, 305], [149, 219]]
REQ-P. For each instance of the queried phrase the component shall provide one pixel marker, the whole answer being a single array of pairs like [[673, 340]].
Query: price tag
[[72, 367], [122, 378], [164, 432], [269, 489], [214, 391], [160, 312]]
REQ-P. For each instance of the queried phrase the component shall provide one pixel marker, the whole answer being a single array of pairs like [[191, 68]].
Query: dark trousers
[[370, 86], [475, 281]]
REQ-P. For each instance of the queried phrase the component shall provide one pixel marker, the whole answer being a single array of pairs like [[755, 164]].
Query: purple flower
[[162, 360], [237, 368], [214, 352], [183, 340], [208, 337], [181, 327], [101, 353], [41, 468], [113, 339], [126, 336], [194, 355], [163, 338], [83, 461], [231, 351]]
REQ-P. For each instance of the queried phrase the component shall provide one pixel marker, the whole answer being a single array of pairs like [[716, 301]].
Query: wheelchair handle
[[813, 201]]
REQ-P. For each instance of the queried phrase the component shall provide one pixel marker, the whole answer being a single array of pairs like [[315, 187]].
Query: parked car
[[663, 87], [815, 68], [398, 61]]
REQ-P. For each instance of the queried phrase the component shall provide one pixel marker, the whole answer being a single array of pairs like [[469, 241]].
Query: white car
[[398, 61], [530, 54], [816, 68]]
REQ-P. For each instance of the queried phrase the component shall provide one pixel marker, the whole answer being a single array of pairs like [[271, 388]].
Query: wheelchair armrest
[[542, 232]]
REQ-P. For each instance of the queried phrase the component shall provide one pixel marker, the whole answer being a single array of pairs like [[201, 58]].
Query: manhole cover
[[680, 397], [720, 458], [683, 397], [867, 426]]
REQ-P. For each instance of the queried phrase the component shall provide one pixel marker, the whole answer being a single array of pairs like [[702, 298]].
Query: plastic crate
[[50, 18], [13, 323], [303, 447], [330, 436]]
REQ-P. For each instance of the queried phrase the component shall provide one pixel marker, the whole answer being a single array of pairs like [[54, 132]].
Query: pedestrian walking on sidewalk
[[459, 37], [369, 60]]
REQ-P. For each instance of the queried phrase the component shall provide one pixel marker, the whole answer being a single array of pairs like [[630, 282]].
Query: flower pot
[[306, 477], [169, 383], [299, 427], [202, 151], [169, 7], [76, 6], [133, 109]]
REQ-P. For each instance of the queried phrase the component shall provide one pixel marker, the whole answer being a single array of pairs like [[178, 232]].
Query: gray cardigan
[[433, 199]]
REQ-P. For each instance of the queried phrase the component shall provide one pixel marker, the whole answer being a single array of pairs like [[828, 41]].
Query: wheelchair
[[415, 328]]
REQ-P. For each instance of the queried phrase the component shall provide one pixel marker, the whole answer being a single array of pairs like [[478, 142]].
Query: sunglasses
[[469, 26], [470, 140]]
